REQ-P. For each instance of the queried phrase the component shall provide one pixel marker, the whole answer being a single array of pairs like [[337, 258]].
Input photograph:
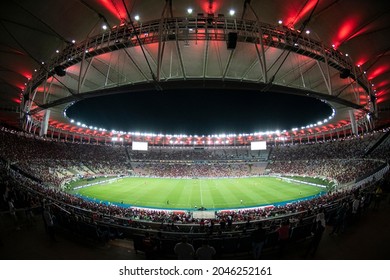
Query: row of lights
[[201, 142], [223, 135], [189, 11], [318, 123]]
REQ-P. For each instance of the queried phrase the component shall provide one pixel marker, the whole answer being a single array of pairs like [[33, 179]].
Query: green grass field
[[191, 193]]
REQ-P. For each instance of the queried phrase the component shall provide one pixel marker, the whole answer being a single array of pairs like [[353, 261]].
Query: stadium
[[258, 127]]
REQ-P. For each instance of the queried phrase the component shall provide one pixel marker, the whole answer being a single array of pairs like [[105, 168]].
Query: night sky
[[201, 112]]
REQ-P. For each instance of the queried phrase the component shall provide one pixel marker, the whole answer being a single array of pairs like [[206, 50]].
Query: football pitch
[[187, 194]]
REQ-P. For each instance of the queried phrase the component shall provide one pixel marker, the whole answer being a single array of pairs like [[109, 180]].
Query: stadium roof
[[54, 53]]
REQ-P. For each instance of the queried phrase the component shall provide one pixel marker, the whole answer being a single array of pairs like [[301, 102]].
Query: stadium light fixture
[[189, 10], [232, 12], [136, 17]]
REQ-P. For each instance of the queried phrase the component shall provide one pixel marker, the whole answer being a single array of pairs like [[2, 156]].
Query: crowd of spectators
[[350, 147], [43, 158], [342, 170], [55, 162], [198, 154]]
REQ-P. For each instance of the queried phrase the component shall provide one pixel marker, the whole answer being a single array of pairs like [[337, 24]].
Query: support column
[[353, 122], [45, 123]]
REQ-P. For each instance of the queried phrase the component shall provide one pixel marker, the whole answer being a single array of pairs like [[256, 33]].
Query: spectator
[[148, 246], [258, 240], [339, 221], [316, 238], [48, 219], [12, 211], [284, 236], [321, 217], [205, 252], [377, 197], [184, 250]]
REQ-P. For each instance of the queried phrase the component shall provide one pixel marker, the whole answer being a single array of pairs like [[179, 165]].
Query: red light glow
[[294, 16], [380, 100], [27, 75], [381, 93], [345, 31], [209, 7], [361, 61], [383, 84], [114, 7], [378, 71]]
